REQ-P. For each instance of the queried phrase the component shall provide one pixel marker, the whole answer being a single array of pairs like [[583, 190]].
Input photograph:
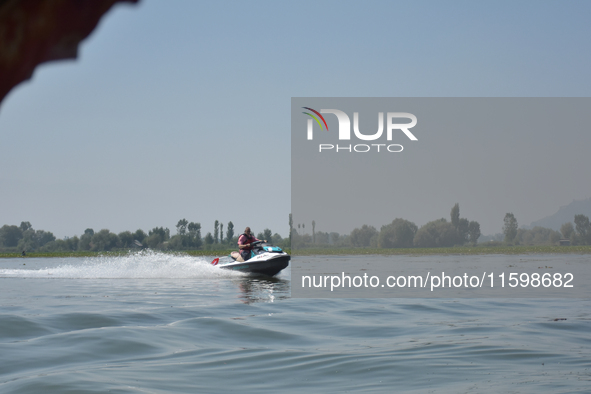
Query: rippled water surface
[[155, 323]]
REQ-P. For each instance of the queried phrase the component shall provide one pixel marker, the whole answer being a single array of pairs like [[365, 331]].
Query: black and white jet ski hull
[[269, 264]]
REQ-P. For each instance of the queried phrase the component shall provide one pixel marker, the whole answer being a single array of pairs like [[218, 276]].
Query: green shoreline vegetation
[[456, 250], [458, 236]]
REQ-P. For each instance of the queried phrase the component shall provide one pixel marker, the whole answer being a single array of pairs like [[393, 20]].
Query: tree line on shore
[[188, 237], [400, 233], [458, 231]]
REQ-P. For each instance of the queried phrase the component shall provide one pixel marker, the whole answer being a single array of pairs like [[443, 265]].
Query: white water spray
[[142, 265]]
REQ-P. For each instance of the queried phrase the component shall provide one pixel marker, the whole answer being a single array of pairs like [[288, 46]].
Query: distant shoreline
[[458, 250]]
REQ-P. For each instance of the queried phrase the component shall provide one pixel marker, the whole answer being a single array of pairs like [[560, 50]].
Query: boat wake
[[141, 265]]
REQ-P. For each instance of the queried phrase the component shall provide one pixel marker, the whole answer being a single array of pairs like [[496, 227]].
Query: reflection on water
[[262, 289]]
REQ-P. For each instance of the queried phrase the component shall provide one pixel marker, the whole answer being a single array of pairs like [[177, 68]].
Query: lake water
[[157, 323]]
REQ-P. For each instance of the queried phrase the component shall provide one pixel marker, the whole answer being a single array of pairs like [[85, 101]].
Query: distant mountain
[[565, 214]]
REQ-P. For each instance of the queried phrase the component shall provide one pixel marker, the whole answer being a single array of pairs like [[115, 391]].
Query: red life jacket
[[249, 239]]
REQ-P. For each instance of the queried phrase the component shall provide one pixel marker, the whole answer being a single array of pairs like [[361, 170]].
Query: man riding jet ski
[[245, 241], [254, 257]]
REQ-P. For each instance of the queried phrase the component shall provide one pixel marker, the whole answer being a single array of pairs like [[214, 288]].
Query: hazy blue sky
[[174, 107]]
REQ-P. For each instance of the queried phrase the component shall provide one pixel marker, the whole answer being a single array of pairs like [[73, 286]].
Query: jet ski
[[264, 259]]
